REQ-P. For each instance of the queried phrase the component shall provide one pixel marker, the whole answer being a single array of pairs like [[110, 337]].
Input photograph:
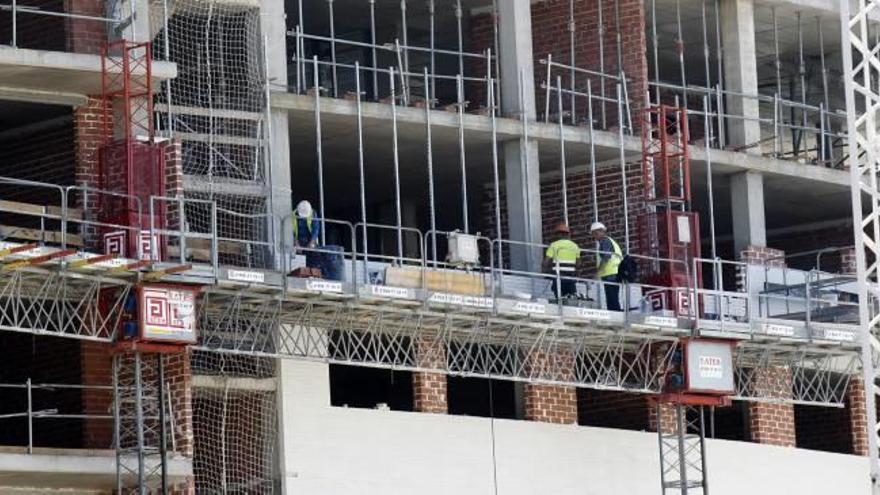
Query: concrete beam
[[747, 208], [740, 71], [34, 74]]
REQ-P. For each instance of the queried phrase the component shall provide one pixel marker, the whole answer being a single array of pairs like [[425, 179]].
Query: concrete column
[[521, 165], [272, 23], [747, 208], [740, 71]]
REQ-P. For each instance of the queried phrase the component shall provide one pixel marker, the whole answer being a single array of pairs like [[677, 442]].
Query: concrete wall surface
[[330, 450]]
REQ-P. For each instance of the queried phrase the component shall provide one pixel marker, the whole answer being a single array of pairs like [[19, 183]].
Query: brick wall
[[609, 186], [88, 126], [613, 409], [858, 419], [83, 35], [550, 35], [430, 389], [551, 403], [96, 365], [178, 376]]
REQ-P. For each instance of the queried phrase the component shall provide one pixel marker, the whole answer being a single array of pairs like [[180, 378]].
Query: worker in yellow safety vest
[[561, 258], [607, 265]]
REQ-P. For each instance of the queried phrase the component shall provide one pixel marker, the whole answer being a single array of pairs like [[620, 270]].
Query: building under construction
[[164, 329]]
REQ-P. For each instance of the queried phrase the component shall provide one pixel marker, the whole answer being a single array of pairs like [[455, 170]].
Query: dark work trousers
[[567, 287], [612, 293]]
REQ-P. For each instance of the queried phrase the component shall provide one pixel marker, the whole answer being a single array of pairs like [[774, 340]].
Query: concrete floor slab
[[58, 77]]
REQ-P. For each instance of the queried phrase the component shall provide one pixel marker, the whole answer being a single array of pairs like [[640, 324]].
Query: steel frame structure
[[861, 63], [682, 450]]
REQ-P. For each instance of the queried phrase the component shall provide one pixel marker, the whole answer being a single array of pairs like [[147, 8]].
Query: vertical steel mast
[[861, 76]]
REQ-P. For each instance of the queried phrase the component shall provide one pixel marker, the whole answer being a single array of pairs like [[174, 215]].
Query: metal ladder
[[682, 451]]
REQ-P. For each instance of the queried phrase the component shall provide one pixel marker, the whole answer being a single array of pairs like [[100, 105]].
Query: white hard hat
[[597, 226], [304, 209]]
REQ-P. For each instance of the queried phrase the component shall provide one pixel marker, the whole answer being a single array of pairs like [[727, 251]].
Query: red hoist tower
[[160, 318], [668, 229], [700, 372]]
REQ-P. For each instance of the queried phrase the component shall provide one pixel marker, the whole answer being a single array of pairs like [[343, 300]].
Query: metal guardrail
[[801, 296]]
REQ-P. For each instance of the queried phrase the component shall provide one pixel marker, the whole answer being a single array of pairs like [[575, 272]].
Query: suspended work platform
[[414, 313]]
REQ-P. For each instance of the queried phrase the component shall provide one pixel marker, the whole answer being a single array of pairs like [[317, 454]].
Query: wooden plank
[[36, 210], [50, 236], [451, 281]]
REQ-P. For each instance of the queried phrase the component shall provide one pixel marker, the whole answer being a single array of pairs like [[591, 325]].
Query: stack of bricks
[[430, 389], [178, 376], [551, 403]]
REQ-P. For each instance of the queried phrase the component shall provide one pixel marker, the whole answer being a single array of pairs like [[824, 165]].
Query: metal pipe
[[30, 417], [681, 431], [592, 152], [776, 63], [572, 60], [562, 152], [163, 434], [524, 162], [495, 173], [719, 79], [679, 46], [117, 427], [618, 39], [547, 89], [373, 49], [458, 15], [802, 71], [709, 179], [430, 162], [825, 97], [166, 49], [319, 149], [623, 170], [404, 87], [706, 56], [333, 50], [139, 420], [433, 94], [602, 60], [777, 145], [15, 24], [496, 52], [363, 192], [654, 42], [461, 157], [396, 163]]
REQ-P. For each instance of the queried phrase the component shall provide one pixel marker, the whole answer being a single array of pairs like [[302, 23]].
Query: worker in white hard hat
[[607, 264], [307, 227]]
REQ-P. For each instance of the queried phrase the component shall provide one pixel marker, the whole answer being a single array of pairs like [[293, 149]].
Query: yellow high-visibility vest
[[613, 264]]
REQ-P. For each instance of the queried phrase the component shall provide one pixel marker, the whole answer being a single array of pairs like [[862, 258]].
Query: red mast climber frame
[[132, 163], [668, 229]]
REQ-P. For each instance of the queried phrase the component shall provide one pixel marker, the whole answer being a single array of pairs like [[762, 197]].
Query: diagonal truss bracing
[[861, 64], [469, 344], [343, 329], [67, 305]]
